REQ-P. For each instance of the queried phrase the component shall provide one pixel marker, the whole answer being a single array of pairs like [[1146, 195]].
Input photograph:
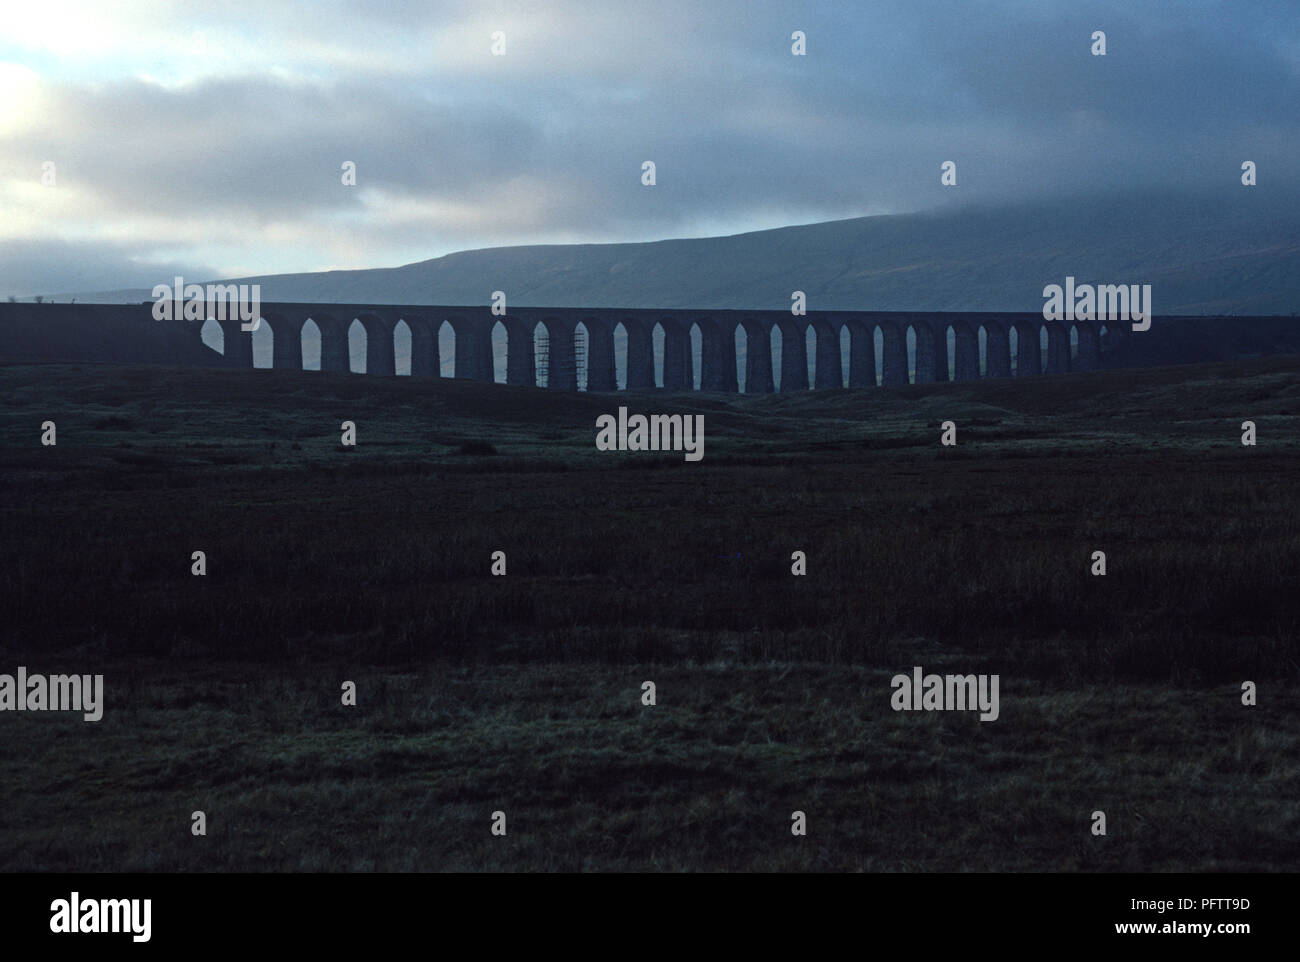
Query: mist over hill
[[1236, 252]]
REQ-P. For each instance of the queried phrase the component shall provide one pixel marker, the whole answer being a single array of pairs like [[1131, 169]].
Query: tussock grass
[[522, 693]]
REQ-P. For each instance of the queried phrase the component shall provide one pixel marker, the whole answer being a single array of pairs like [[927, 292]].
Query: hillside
[[1235, 253]]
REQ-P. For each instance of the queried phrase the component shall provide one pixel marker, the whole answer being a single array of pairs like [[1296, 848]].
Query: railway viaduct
[[890, 348]]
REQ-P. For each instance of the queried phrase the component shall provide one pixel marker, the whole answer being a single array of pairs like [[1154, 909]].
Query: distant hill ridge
[[1234, 253]]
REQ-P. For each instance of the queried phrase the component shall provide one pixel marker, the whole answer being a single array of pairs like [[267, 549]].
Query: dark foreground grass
[[522, 693], [590, 779]]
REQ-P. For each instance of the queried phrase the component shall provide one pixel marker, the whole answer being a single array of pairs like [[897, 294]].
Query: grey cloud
[[740, 130], [50, 268]]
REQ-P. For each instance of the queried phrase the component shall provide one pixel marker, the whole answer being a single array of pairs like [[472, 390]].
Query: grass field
[[478, 693]]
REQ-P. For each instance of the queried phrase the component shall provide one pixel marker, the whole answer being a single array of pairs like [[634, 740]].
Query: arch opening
[[541, 355], [500, 352], [446, 350], [212, 335], [696, 357], [775, 339], [310, 345], [620, 356], [657, 337], [846, 353], [581, 343], [402, 349], [263, 342], [741, 358], [357, 347]]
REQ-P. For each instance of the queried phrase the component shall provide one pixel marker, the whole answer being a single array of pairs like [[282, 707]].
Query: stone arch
[[378, 353], [640, 354], [740, 357], [472, 348], [212, 335], [824, 369], [235, 344], [555, 357], [658, 338], [581, 348], [694, 356], [676, 355], [402, 338], [520, 358], [358, 342], [500, 352], [1054, 344], [861, 353], [846, 354], [759, 362], [964, 355], [262, 340], [620, 355], [998, 355], [542, 354], [893, 355], [776, 351], [810, 354], [1025, 348], [1088, 357], [286, 341], [794, 361], [601, 374], [333, 336], [311, 345], [446, 348], [560, 355], [927, 358], [423, 360], [718, 369], [922, 354]]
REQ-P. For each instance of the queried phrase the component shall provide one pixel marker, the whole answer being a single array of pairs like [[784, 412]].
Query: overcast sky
[[208, 139]]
